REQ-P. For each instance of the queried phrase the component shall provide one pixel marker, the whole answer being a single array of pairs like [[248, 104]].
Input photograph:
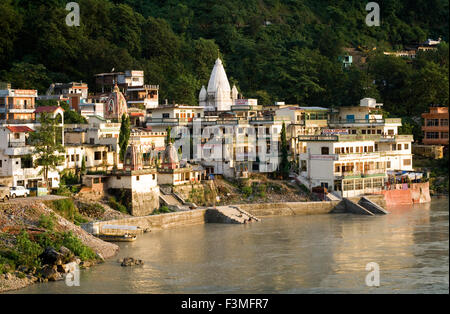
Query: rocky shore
[[54, 263]]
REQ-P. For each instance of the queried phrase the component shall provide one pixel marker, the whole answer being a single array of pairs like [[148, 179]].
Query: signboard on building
[[334, 131], [246, 102], [324, 157]]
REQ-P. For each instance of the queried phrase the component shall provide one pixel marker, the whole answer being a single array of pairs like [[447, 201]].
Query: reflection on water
[[300, 254]]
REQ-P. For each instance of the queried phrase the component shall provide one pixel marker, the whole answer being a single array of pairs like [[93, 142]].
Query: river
[[296, 254]]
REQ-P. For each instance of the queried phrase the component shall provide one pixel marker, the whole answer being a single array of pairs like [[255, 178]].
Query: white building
[[17, 161], [218, 96], [354, 155]]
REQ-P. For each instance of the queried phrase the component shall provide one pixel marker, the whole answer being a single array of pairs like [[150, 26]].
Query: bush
[[67, 209], [63, 191], [77, 247], [114, 204], [28, 251], [247, 191], [69, 178], [162, 210], [47, 222]]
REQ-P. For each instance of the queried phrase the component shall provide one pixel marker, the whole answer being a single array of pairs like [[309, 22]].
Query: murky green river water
[[299, 254]]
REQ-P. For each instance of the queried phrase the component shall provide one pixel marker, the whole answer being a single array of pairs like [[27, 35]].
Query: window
[[390, 132], [406, 146], [166, 115], [394, 147], [348, 185], [337, 167], [16, 136], [432, 135], [137, 178], [406, 162], [1, 163], [97, 155], [325, 151], [399, 146], [303, 165], [104, 155], [336, 150], [388, 164], [444, 122], [444, 134], [432, 122]]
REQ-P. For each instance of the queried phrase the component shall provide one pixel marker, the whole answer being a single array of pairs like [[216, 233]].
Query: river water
[[296, 254]]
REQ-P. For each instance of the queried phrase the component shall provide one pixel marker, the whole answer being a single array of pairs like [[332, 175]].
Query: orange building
[[435, 127], [17, 105]]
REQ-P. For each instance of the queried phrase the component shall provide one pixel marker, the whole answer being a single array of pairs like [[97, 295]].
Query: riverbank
[[28, 228], [282, 254]]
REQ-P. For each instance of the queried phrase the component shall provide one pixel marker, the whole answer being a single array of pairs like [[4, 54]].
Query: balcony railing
[[367, 121], [358, 173]]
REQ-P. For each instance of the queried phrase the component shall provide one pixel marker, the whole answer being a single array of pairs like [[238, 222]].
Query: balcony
[[362, 122], [360, 174], [19, 150]]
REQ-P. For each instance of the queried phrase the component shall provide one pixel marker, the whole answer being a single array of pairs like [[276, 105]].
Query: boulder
[[67, 268], [51, 257], [50, 273], [130, 261]]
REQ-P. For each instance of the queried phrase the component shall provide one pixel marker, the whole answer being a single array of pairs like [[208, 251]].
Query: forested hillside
[[282, 50]]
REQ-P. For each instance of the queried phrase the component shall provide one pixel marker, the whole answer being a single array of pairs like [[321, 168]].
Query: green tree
[[48, 150], [284, 163], [124, 136]]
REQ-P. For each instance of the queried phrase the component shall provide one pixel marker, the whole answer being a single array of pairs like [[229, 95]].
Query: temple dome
[[218, 78], [202, 95], [170, 157], [234, 92]]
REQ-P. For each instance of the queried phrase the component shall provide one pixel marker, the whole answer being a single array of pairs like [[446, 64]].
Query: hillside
[[273, 49]]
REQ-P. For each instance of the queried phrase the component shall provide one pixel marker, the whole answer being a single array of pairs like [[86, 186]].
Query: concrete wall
[[289, 208], [143, 203], [162, 221], [301, 208]]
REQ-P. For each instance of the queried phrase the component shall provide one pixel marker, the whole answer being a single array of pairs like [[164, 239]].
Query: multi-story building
[[74, 92], [129, 78], [302, 121], [17, 105], [17, 160], [435, 126], [351, 165], [355, 154]]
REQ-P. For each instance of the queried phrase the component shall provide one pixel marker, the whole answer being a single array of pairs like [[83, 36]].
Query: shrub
[[28, 251], [63, 191], [47, 222], [114, 204], [162, 210], [70, 241], [67, 209], [247, 191]]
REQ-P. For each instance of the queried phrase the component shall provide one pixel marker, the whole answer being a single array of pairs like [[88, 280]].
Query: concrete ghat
[[228, 214]]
